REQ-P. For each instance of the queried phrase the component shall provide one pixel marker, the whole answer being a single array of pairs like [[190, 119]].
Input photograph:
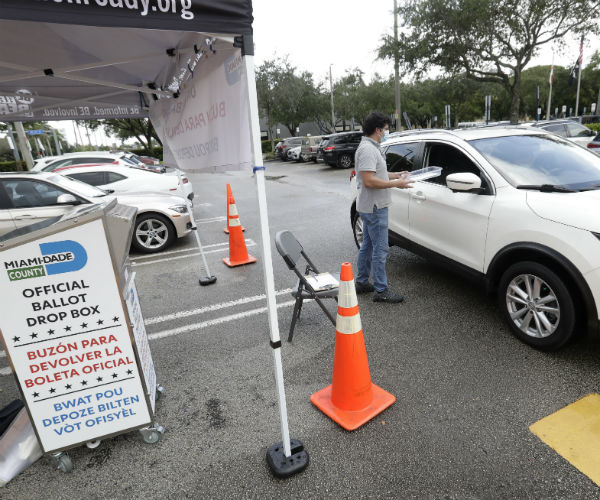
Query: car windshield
[[541, 159], [79, 187]]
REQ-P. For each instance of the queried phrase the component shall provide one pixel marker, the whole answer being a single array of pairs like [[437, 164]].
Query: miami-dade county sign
[[65, 329]]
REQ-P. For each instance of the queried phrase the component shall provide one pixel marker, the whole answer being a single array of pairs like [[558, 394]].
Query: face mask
[[386, 134]]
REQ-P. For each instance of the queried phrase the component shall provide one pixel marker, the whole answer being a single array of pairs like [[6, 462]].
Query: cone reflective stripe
[[231, 209], [238, 254], [352, 399]]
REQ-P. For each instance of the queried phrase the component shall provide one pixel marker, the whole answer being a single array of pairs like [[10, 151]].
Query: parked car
[[322, 144], [39, 163], [85, 157], [294, 153], [515, 208], [594, 145], [149, 160], [569, 129], [277, 149], [128, 180], [339, 150], [290, 142], [30, 197], [309, 148]]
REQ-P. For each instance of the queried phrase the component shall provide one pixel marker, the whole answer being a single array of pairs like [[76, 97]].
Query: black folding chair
[[291, 250]]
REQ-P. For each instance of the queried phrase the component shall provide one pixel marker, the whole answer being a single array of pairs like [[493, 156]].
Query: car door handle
[[24, 216], [419, 196]]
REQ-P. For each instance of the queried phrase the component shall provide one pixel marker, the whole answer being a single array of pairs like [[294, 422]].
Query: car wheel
[[345, 161], [152, 233], [357, 229], [304, 157], [537, 305], [315, 160]]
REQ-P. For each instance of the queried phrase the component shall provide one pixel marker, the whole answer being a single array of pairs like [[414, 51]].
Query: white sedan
[[118, 180]]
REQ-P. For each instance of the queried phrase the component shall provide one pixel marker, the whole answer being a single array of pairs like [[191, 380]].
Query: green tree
[[126, 128], [488, 40], [286, 96]]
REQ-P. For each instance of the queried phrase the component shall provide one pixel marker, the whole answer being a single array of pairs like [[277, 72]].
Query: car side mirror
[[67, 199], [464, 182]]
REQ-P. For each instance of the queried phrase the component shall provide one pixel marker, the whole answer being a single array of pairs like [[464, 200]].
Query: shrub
[[266, 146], [594, 126], [10, 166]]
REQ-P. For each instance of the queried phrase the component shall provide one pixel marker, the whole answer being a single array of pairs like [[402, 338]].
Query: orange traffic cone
[[352, 399], [238, 255], [229, 196]]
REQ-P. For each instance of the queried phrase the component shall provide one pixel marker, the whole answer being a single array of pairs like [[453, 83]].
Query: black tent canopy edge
[[221, 16]]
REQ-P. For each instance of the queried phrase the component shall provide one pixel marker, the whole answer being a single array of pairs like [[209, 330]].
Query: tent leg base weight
[[209, 280], [283, 466]]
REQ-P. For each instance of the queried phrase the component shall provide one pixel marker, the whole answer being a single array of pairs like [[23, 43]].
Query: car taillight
[[310, 149], [329, 148], [594, 145], [116, 162], [352, 174], [185, 180]]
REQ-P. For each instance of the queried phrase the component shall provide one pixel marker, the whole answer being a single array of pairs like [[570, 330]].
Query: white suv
[[515, 208]]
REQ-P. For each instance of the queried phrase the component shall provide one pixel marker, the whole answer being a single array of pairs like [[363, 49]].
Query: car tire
[[315, 160], [304, 157], [152, 233], [345, 161], [357, 229], [537, 305]]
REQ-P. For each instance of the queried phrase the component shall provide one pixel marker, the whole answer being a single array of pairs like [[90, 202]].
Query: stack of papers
[[322, 281]]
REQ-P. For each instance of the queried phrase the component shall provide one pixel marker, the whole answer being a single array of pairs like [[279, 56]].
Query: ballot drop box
[[69, 318]]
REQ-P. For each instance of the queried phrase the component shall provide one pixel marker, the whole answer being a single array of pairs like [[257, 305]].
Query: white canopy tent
[[186, 64]]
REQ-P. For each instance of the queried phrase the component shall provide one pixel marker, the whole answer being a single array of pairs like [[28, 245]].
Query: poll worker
[[374, 197]]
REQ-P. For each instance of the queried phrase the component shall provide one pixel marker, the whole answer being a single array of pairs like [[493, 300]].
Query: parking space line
[[169, 252], [249, 243], [217, 321], [211, 219], [214, 307], [199, 326]]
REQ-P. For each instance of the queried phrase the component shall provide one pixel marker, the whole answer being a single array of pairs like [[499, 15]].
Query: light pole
[[397, 113], [332, 110]]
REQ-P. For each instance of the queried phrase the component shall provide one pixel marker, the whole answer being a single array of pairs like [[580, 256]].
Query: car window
[[342, 139], [114, 177], [400, 157], [576, 130], [27, 193], [324, 142], [4, 199], [541, 159], [556, 129], [127, 160], [93, 178], [56, 164], [452, 161], [355, 139]]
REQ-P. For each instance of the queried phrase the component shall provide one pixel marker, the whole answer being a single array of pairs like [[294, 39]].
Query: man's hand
[[402, 180]]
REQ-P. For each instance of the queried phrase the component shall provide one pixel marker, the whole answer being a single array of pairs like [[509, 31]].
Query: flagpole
[[579, 64]]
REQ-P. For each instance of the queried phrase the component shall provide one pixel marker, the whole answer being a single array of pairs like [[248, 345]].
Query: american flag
[[577, 67]]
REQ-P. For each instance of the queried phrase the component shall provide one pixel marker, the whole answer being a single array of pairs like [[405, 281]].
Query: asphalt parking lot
[[467, 390]]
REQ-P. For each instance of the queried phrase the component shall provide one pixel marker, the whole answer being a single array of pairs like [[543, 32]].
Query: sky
[[346, 33], [343, 33]]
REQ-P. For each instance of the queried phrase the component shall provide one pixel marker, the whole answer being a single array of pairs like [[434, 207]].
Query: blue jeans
[[374, 249]]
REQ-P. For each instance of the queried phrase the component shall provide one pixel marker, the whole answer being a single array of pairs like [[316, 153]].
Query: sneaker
[[364, 287], [387, 296]]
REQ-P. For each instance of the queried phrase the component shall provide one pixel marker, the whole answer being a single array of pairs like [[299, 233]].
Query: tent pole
[[275, 458]]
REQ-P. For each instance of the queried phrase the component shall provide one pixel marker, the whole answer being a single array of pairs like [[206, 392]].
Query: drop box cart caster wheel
[[63, 461], [151, 435], [93, 444]]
